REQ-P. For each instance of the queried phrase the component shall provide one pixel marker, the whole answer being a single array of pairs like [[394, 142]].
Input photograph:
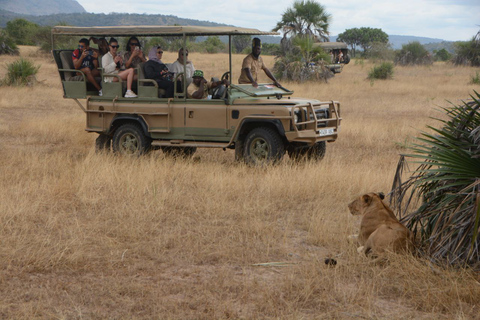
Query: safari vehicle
[[261, 124], [339, 55]]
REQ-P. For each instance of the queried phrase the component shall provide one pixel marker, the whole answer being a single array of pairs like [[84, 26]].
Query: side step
[[181, 143]]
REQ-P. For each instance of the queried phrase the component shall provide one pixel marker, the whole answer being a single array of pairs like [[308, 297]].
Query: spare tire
[[347, 58]]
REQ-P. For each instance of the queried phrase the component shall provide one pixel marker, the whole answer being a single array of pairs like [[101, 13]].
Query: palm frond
[[440, 201]]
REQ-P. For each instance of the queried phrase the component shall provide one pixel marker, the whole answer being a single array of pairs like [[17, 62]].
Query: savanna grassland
[[95, 236]]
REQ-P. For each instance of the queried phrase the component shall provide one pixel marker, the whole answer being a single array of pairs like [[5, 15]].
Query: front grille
[[321, 114]]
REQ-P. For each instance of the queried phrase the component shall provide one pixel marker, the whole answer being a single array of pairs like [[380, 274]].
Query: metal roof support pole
[[184, 66], [230, 59]]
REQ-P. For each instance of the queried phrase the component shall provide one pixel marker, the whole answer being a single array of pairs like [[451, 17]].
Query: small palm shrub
[[21, 72], [383, 71], [300, 60], [441, 199]]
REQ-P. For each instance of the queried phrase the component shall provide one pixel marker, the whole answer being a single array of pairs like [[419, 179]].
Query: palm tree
[[441, 199], [305, 18]]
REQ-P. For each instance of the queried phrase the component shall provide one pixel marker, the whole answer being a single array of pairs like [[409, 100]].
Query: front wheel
[[129, 139], [263, 146]]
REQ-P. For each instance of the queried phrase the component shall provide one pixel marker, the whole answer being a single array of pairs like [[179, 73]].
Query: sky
[[450, 20]]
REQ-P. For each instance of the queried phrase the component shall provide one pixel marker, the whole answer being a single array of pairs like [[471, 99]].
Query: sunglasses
[[134, 43], [159, 52], [80, 46], [115, 47]]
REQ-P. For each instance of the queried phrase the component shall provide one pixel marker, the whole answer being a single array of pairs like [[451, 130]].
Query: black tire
[[103, 143], [129, 139], [263, 146], [315, 152], [347, 59], [179, 152]]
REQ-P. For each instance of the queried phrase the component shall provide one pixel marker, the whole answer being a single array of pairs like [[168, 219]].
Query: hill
[[44, 7], [429, 43], [101, 19], [85, 19]]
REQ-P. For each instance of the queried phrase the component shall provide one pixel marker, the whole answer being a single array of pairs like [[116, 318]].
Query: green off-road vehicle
[[261, 124], [338, 55]]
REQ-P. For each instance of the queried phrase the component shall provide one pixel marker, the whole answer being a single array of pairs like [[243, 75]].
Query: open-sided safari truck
[[338, 53], [261, 124]]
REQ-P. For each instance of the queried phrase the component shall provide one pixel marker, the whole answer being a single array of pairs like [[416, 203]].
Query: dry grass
[[93, 236]]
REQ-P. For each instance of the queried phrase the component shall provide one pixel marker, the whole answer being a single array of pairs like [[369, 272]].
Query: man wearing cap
[[252, 64], [199, 87]]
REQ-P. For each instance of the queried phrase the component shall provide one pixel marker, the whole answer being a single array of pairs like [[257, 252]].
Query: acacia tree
[[364, 37], [306, 17], [241, 42]]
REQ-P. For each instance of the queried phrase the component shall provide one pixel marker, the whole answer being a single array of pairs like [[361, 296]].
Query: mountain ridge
[[43, 7], [85, 19]]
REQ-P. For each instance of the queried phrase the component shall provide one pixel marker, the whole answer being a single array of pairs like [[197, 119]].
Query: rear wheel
[[263, 146], [129, 139]]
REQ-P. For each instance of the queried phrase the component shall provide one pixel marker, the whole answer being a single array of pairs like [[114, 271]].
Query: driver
[[252, 65], [199, 87]]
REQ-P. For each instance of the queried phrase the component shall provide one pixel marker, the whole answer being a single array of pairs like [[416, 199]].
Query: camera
[[137, 48], [90, 53]]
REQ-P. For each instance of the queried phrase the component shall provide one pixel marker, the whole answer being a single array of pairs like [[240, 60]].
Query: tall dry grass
[[94, 236]]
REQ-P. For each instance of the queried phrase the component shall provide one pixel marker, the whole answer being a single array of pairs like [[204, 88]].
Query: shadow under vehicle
[[338, 53], [261, 124]]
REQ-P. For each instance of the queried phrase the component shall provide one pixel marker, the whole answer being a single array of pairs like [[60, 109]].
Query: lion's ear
[[381, 195], [367, 198]]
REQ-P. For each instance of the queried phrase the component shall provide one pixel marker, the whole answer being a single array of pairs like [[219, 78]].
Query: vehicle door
[[206, 119]]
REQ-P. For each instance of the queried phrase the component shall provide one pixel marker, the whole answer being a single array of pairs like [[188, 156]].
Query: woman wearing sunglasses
[[156, 70], [112, 62], [133, 55]]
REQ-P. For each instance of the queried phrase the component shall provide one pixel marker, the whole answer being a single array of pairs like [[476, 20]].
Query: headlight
[[296, 116]]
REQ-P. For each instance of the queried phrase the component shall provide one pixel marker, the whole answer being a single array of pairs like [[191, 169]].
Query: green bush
[[383, 71], [213, 44], [467, 53], [21, 72], [380, 51], [442, 55], [7, 45], [476, 78], [413, 53], [22, 31]]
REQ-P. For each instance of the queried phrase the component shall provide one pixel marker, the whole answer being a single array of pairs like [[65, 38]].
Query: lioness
[[380, 230]]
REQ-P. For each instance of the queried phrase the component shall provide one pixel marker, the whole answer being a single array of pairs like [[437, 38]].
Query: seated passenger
[[199, 87], [177, 67], [101, 43], [155, 69], [86, 60], [134, 54], [112, 62]]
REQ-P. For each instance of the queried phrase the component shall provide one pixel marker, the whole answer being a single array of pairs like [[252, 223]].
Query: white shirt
[[109, 66], [177, 68]]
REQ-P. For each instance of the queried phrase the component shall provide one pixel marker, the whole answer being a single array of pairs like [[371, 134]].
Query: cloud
[[449, 20]]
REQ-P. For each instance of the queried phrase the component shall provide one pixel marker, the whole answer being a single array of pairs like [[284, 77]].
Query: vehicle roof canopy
[[331, 45], [156, 31]]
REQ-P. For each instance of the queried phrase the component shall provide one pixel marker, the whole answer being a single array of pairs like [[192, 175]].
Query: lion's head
[[358, 206]]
